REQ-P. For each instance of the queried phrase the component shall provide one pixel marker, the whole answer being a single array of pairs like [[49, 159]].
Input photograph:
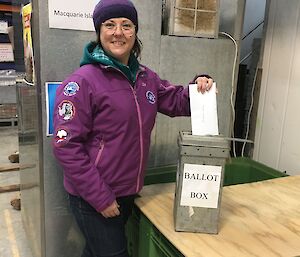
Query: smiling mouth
[[118, 43]]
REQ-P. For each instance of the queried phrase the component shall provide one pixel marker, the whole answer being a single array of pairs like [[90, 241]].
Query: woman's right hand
[[112, 210]]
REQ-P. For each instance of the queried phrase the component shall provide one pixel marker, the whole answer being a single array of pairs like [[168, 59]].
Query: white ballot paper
[[204, 114]]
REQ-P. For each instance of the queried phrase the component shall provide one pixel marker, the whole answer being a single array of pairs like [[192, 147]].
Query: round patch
[[151, 97], [61, 136], [71, 89], [66, 110]]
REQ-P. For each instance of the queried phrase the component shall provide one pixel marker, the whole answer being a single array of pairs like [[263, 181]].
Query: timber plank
[[9, 167], [10, 188]]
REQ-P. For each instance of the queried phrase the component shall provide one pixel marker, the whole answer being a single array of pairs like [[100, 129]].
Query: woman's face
[[117, 37]]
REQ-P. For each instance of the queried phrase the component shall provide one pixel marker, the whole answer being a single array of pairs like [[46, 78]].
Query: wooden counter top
[[257, 219]]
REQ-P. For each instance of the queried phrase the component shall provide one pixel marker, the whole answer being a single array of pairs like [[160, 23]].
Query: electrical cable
[[246, 57], [232, 88], [250, 110], [252, 30], [28, 83]]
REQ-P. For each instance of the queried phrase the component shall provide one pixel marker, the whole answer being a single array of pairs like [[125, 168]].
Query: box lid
[[186, 138]]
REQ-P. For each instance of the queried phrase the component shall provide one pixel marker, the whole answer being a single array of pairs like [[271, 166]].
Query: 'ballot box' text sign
[[200, 185]]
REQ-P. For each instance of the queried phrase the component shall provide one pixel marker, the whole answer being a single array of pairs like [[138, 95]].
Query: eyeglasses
[[126, 27]]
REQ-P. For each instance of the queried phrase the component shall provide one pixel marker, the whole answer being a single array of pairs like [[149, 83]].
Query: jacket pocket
[[101, 148]]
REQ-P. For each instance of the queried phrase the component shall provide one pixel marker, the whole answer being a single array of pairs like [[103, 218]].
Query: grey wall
[[278, 124], [7, 94], [205, 56]]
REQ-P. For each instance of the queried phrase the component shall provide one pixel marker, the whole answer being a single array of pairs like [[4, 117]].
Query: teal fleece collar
[[93, 54]]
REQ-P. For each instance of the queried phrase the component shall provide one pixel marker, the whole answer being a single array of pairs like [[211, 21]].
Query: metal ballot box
[[199, 182]]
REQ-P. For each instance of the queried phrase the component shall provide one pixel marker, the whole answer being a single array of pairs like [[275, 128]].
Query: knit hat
[[107, 9]]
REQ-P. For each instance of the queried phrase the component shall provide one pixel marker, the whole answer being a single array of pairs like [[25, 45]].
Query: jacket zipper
[[140, 124], [101, 147], [141, 137]]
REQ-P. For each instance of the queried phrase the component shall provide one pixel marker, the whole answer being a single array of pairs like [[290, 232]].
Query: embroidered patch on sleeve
[[66, 110], [61, 137], [150, 97], [71, 89]]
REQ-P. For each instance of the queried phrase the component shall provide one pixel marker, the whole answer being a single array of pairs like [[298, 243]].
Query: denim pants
[[105, 237]]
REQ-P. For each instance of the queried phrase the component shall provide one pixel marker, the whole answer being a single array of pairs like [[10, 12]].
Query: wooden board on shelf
[[9, 8]]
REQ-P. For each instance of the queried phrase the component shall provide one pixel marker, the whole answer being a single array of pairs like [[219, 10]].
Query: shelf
[[9, 8]]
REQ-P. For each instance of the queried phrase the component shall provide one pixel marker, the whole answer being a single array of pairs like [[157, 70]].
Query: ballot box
[[199, 182]]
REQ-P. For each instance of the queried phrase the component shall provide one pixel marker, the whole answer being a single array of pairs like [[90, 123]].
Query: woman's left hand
[[204, 84]]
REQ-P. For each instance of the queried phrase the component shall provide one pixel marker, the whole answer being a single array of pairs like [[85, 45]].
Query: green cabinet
[[244, 170], [144, 239], [153, 243]]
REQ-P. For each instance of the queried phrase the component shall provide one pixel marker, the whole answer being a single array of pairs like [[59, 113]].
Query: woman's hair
[[136, 49]]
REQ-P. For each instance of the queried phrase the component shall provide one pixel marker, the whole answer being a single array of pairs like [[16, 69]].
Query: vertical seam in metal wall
[[288, 90], [266, 71], [154, 143]]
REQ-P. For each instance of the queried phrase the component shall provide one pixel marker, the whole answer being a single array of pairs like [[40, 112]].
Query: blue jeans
[[105, 237]]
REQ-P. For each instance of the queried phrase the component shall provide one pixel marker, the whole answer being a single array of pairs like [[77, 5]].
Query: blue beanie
[[108, 9]]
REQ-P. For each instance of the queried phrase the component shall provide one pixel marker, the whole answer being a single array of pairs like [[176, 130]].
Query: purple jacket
[[102, 129]]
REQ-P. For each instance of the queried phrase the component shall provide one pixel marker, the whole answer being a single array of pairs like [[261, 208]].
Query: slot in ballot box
[[199, 182]]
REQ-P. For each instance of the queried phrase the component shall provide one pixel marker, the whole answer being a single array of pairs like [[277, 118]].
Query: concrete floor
[[13, 241]]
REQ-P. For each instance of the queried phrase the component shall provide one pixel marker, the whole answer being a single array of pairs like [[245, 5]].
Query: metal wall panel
[[278, 126], [7, 94], [232, 17], [30, 177], [205, 56]]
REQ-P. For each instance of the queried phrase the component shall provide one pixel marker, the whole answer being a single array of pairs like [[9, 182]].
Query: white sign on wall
[[70, 14], [3, 27], [200, 185], [6, 52]]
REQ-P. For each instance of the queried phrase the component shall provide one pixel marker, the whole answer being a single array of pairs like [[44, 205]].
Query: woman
[[104, 114]]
